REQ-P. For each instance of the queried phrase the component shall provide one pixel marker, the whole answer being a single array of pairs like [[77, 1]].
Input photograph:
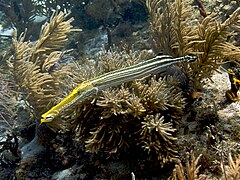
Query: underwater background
[[74, 105]]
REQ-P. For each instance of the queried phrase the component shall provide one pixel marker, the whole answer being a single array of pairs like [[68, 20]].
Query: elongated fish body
[[154, 65], [90, 87]]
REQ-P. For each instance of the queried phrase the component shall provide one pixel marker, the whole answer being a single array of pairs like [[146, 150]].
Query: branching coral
[[215, 47], [192, 169], [174, 31], [232, 170], [33, 63], [120, 102], [141, 114], [6, 103], [157, 137], [171, 27], [123, 114], [162, 94]]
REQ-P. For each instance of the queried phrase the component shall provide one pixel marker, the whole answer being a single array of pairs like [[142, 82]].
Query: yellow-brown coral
[[31, 63], [174, 31], [114, 121]]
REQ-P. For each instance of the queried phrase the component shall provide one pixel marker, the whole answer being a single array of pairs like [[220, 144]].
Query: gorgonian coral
[[121, 115], [7, 102], [32, 64], [157, 137], [118, 118], [177, 30]]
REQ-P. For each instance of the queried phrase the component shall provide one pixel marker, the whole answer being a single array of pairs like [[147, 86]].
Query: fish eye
[[48, 118]]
